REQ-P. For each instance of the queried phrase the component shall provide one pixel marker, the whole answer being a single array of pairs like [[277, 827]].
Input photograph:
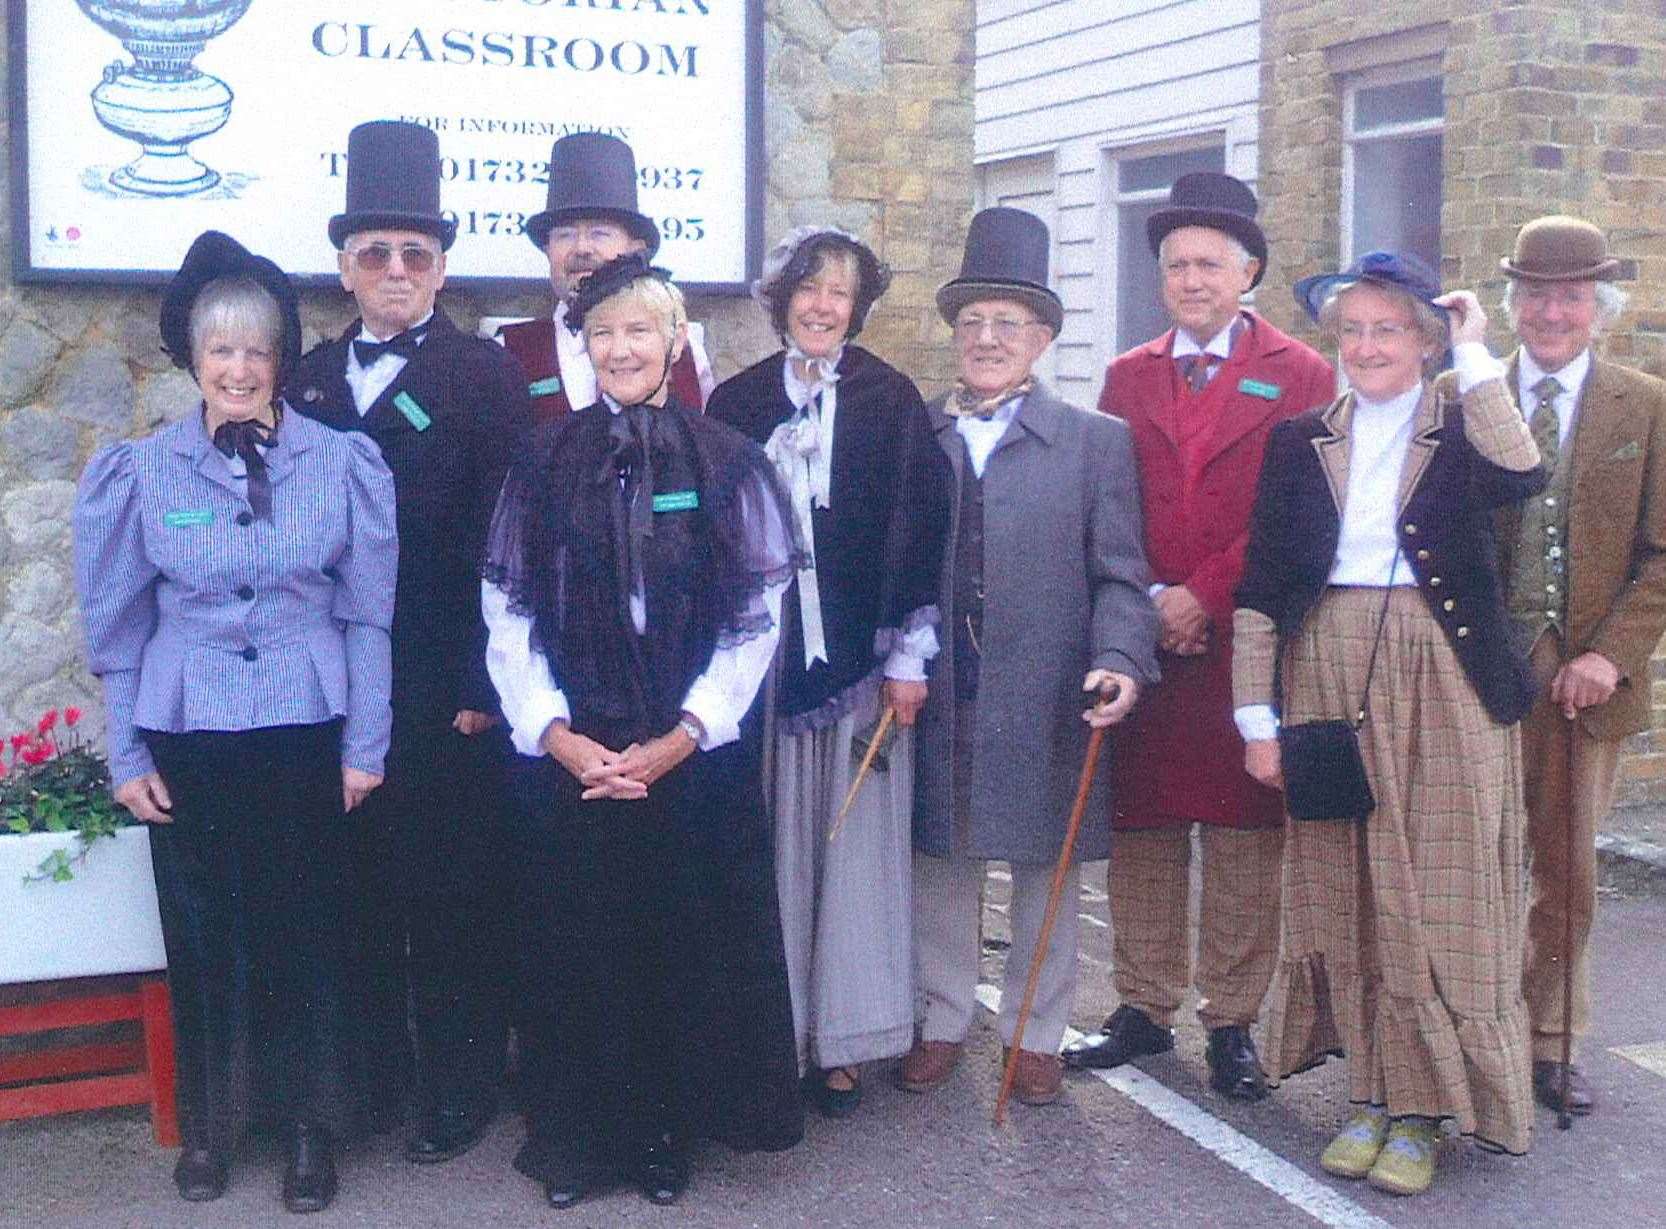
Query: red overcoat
[[1179, 757]]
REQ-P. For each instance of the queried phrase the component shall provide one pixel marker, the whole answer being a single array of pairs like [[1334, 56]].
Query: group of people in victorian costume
[[679, 719]]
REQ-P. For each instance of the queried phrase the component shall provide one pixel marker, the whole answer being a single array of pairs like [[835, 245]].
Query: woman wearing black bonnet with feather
[[632, 592]]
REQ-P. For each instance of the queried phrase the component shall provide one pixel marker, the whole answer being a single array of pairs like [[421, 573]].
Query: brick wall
[[1551, 106], [868, 118]]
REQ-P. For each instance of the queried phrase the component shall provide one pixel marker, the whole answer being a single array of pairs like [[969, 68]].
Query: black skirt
[[653, 979]]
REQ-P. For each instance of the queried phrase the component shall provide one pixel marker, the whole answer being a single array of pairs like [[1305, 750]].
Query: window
[[1142, 188], [1391, 163]]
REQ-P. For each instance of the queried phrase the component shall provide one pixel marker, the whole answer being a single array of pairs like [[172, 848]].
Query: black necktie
[[246, 439], [403, 344]]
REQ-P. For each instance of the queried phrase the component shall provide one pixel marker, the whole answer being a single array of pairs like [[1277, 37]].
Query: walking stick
[[1563, 1116], [1085, 783], [862, 769]]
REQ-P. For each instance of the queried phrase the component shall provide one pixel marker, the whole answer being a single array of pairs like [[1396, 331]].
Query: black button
[[250, 653], [245, 518], [246, 593], [330, 572]]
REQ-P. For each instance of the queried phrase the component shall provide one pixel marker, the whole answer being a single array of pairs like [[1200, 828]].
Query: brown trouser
[[1569, 779], [1237, 935]]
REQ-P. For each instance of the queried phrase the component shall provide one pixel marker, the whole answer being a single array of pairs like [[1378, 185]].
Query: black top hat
[[1220, 202], [393, 182], [592, 175], [1006, 258], [213, 256]]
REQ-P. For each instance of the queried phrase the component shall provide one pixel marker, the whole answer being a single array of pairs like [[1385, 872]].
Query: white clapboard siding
[[1063, 88]]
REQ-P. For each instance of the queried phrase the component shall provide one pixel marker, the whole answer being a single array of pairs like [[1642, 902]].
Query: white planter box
[[101, 922]]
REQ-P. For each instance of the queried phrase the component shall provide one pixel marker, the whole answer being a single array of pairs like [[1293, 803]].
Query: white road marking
[[1093, 921], [1238, 1150], [1650, 1057]]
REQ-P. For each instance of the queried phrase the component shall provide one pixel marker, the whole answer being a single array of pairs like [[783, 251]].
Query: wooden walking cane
[[1565, 1116], [1084, 784], [885, 720]]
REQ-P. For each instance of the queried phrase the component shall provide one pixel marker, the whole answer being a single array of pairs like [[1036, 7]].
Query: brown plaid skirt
[[1403, 935]]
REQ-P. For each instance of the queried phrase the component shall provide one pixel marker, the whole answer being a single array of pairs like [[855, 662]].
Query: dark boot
[[1234, 1069], [201, 1174], [1127, 1034], [1547, 1087], [309, 1181]]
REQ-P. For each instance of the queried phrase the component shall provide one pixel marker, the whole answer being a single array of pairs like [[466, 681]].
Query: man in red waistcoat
[[1200, 401], [590, 217]]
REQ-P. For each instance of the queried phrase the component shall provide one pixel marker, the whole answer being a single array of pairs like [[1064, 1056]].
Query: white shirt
[[369, 383], [718, 699], [1220, 345], [578, 374], [1571, 378], [1368, 547], [982, 434]]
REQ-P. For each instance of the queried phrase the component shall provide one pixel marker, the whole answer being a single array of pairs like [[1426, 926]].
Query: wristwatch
[[692, 728]]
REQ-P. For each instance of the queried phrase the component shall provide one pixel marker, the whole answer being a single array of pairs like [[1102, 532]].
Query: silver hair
[[663, 300], [1611, 303], [235, 307], [1431, 325], [1232, 245]]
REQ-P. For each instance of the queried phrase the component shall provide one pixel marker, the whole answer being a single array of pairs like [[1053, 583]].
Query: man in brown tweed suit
[[1584, 564]]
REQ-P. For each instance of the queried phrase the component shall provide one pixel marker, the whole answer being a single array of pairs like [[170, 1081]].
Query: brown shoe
[[1547, 1086], [1039, 1079], [927, 1065]]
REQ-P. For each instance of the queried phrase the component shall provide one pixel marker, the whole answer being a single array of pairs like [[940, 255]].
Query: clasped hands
[[626, 774], [1185, 622]]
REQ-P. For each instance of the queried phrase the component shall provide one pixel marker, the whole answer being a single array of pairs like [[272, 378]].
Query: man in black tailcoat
[[448, 411]]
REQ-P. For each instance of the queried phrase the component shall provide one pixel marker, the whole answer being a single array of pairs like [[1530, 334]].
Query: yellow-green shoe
[[1406, 1164], [1352, 1153]]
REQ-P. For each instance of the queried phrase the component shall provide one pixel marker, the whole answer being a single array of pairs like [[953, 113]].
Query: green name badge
[[184, 518], [1255, 388], [677, 501], [544, 388], [414, 413]]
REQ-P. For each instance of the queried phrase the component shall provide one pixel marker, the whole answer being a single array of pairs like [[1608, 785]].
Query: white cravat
[[982, 434], [801, 450]]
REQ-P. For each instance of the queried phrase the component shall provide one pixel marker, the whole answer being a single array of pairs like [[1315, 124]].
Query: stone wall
[[1550, 106], [868, 121]]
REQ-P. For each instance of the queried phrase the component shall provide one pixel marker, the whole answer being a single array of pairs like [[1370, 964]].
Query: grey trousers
[[845, 902], [946, 950]]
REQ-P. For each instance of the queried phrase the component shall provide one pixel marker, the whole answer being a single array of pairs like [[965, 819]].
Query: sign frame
[[24, 269]]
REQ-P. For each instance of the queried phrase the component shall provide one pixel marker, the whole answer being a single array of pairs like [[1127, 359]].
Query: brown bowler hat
[[1561, 249]]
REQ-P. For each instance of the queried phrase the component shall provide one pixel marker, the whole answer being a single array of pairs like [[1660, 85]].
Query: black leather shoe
[[309, 1181], [200, 1174], [1547, 1087], [834, 1102], [447, 1132], [1128, 1034], [661, 1174], [566, 1192], [1234, 1069]]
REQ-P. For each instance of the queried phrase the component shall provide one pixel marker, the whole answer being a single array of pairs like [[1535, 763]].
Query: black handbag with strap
[[1324, 773]]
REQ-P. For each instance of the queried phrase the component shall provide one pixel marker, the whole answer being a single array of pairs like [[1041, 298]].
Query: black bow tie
[[403, 344], [246, 439]]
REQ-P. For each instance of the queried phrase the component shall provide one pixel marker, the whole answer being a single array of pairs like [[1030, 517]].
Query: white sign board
[[141, 123]]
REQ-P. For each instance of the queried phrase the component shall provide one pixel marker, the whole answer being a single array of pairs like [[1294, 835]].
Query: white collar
[[1220, 345], [1571, 377], [1402, 406], [366, 335], [826, 374]]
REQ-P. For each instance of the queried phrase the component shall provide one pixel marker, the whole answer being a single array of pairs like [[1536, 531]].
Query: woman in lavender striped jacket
[[236, 573]]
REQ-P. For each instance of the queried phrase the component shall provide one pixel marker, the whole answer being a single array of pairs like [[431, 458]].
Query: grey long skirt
[[846, 904]]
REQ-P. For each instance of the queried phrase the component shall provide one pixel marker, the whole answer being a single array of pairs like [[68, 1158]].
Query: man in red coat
[[590, 217], [1200, 401]]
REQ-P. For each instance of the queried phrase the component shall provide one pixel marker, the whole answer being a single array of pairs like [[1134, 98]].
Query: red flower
[[48, 719], [50, 747], [20, 741], [72, 715], [37, 754]]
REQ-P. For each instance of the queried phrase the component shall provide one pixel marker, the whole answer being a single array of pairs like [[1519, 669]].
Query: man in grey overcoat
[[1043, 598]]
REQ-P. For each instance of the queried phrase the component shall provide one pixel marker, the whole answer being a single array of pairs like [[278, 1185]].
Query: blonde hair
[[663, 301]]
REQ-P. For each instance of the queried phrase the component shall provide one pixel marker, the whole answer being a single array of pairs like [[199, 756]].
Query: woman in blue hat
[[1371, 598]]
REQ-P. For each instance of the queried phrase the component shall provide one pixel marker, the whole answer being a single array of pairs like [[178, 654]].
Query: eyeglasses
[[1383, 332], [1004, 328], [375, 257]]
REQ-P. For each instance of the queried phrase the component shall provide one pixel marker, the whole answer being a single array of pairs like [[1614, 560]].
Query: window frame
[[1420, 69]]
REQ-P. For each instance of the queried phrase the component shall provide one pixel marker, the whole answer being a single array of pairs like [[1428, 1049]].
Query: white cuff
[[534, 717], [1256, 722], [1155, 589], [711, 708], [905, 667], [1474, 364]]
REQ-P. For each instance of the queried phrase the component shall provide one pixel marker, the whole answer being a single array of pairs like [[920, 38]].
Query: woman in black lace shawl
[[632, 593]]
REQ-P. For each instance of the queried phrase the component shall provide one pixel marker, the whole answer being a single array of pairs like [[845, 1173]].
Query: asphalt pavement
[[1152, 1147]]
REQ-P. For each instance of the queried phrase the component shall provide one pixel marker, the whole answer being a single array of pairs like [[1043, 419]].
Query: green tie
[[1544, 424]]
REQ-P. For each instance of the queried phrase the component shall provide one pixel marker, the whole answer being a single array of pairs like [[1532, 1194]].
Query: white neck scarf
[[802, 451]]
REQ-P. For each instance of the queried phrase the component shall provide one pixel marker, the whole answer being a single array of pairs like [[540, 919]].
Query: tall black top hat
[[213, 256], [393, 182], [592, 175], [1220, 202], [1006, 258]]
